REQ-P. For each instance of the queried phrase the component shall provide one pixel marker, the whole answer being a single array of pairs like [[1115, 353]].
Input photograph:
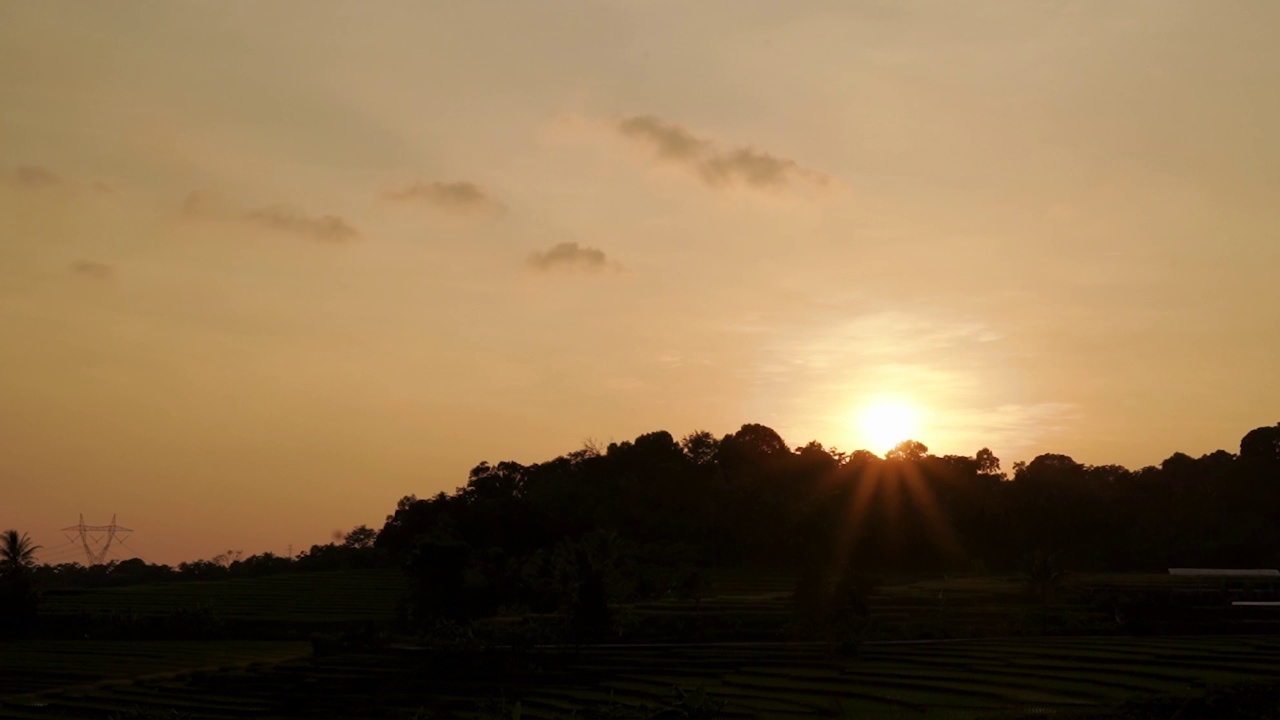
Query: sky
[[265, 268]]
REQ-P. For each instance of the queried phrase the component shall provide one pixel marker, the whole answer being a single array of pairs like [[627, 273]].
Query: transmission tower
[[97, 539]]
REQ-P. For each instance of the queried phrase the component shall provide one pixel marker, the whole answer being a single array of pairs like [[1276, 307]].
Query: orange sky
[[267, 267]]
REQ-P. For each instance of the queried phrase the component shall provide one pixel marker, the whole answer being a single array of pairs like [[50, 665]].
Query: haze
[[267, 267]]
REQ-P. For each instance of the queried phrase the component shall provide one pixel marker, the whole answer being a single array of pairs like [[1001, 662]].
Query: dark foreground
[[1128, 646], [1067, 677]]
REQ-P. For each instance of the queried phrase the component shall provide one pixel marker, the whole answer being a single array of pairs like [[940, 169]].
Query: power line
[[99, 535], [130, 547], [57, 554]]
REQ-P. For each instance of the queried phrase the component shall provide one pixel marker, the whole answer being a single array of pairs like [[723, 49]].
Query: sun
[[884, 423]]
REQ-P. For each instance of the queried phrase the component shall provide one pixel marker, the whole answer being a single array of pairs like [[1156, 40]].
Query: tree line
[[640, 518], [747, 499], [644, 518]]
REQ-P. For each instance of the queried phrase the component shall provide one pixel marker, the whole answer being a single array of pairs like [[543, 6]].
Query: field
[[943, 680], [315, 597], [759, 607], [960, 647], [968, 679], [28, 669], [737, 604]]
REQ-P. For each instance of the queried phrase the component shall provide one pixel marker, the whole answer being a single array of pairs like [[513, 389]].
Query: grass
[[345, 595], [35, 666]]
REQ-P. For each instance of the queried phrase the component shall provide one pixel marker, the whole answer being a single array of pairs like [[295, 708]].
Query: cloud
[[34, 176], [755, 168], [895, 335], [325, 228], [211, 205], [93, 269], [959, 371], [672, 141], [570, 256], [463, 197], [716, 166], [1016, 429], [203, 203]]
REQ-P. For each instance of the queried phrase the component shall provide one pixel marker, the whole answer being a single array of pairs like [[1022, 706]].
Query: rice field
[[313, 597], [35, 666], [954, 680], [977, 677], [970, 606]]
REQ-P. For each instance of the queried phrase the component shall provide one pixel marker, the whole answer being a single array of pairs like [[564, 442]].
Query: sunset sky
[[266, 267]]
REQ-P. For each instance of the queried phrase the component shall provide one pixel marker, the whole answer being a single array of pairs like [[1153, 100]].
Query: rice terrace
[[909, 665]]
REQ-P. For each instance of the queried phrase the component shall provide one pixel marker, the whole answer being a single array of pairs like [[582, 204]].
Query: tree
[[908, 450], [988, 463], [17, 598], [1052, 469], [1044, 576], [360, 537], [17, 553], [1261, 445], [438, 572], [700, 447], [755, 442]]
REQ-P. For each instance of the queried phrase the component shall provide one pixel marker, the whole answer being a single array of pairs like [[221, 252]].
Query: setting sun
[[885, 423]]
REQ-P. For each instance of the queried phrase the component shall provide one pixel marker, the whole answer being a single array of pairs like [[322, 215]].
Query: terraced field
[[954, 680], [971, 679]]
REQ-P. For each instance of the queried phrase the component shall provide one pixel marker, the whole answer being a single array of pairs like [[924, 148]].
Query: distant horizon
[[72, 551]]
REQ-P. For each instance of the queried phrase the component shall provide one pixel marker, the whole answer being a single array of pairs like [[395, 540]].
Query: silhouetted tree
[[438, 569], [18, 600], [747, 499], [1261, 445], [907, 450], [988, 463], [17, 552], [360, 538]]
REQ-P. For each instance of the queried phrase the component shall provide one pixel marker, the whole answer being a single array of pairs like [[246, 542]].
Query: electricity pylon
[[94, 534]]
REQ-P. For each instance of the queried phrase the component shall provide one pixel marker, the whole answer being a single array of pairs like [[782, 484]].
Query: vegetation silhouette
[[748, 500], [647, 518], [18, 598]]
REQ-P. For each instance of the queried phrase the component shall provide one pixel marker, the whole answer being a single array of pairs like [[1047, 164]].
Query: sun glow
[[885, 423]]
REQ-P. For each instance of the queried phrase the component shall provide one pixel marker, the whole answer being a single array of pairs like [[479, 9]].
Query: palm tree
[[17, 552]]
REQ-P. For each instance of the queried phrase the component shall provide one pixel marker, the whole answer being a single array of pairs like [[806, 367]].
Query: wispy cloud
[[1014, 429], [322, 228], [93, 269], [330, 229], [671, 141], [459, 197], [894, 335], [571, 256], [714, 165], [956, 370], [34, 176], [204, 204]]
